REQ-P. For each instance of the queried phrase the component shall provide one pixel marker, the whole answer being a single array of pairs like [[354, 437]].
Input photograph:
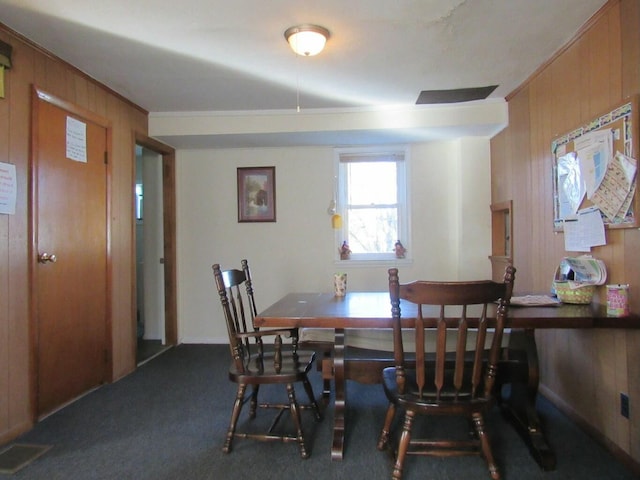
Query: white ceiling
[[220, 57]]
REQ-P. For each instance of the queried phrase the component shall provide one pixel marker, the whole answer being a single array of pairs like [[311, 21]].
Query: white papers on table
[[586, 231], [535, 301], [586, 270]]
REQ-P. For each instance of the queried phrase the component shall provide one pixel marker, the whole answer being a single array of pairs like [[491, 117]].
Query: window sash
[[349, 210]]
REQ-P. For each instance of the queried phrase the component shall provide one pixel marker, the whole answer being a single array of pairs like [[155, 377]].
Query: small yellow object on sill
[[5, 63], [336, 221]]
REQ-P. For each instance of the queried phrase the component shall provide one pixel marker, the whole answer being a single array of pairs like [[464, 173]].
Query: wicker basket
[[581, 295]]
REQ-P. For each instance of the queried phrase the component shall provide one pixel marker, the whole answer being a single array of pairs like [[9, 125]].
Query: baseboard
[[204, 340], [622, 456], [8, 435], [208, 340]]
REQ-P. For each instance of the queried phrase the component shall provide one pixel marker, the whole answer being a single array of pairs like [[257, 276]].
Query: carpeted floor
[[168, 421]]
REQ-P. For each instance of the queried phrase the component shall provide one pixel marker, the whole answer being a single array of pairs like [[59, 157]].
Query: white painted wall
[[474, 218], [450, 198]]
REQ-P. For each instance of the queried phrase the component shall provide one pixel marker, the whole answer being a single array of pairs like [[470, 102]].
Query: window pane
[[372, 183], [372, 230], [372, 199]]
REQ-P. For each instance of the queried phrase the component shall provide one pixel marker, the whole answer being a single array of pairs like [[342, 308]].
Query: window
[[372, 199]]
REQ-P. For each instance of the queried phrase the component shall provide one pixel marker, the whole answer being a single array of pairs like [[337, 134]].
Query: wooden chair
[[455, 383], [255, 364]]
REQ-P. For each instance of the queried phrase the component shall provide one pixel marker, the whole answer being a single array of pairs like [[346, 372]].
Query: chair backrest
[[238, 304], [459, 308]]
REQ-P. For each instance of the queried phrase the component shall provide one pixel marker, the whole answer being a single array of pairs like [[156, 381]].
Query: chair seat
[[411, 398], [257, 371], [381, 339]]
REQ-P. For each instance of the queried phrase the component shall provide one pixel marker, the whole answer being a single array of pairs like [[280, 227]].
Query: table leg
[[337, 449], [520, 369]]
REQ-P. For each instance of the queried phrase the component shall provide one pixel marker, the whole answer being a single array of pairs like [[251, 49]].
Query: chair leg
[[472, 429], [405, 439], [235, 413], [314, 404], [295, 414], [478, 423], [254, 401], [383, 441], [327, 376]]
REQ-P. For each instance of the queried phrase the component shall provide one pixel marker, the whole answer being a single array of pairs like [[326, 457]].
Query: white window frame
[[404, 211]]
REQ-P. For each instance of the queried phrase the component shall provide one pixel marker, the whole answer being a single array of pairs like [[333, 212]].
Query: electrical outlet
[[624, 405]]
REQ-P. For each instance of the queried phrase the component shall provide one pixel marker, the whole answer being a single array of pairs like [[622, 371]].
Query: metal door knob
[[47, 257]]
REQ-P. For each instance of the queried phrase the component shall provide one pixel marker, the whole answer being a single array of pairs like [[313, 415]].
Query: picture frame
[[256, 194]]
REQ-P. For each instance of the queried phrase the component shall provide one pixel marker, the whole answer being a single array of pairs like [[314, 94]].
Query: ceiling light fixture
[[307, 40]]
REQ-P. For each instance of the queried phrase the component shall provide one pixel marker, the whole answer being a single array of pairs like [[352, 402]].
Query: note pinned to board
[[8, 188], [586, 231], [76, 140]]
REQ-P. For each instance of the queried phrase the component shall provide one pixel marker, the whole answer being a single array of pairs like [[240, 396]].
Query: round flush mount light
[[307, 40]]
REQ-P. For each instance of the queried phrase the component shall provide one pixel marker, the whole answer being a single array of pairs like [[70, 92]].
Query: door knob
[[47, 257]]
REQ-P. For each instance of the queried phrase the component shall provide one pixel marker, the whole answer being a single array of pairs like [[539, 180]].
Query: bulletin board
[[595, 165]]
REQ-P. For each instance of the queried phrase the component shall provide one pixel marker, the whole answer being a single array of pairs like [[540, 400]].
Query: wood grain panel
[[620, 377], [564, 103], [4, 267], [632, 340], [81, 91], [33, 66], [630, 50], [599, 67], [20, 407], [539, 110], [615, 54], [585, 370]]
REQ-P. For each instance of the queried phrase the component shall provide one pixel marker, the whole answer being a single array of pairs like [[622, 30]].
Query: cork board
[[594, 165]]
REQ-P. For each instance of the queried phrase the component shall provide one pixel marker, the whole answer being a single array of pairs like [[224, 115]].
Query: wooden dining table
[[372, 310]]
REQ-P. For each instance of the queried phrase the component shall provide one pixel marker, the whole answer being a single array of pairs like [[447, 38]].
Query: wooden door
[[70, 256]]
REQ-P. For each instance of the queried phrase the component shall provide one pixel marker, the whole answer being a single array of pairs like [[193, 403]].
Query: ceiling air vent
[[454, 96]]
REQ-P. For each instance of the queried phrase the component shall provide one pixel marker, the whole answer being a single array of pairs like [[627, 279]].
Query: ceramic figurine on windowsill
[[345, 251], [400, 250]]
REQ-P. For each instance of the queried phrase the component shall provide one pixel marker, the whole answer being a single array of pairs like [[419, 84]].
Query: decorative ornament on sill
[[336, 218], [345, 251], [5, 63], [399, 249]]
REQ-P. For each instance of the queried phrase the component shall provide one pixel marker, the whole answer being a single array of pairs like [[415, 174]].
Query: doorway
[[154, 217], [150, 332]]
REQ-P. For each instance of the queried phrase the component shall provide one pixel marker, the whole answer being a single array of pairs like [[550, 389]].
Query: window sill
[[392, 262]]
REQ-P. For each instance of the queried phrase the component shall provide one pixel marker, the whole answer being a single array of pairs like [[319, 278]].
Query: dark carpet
[[168, 421]]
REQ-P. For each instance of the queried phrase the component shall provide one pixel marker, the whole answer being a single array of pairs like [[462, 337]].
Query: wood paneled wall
[[583, 372], [33, 66]]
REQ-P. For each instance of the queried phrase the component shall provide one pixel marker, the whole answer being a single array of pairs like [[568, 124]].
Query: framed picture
[[256, 194]]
